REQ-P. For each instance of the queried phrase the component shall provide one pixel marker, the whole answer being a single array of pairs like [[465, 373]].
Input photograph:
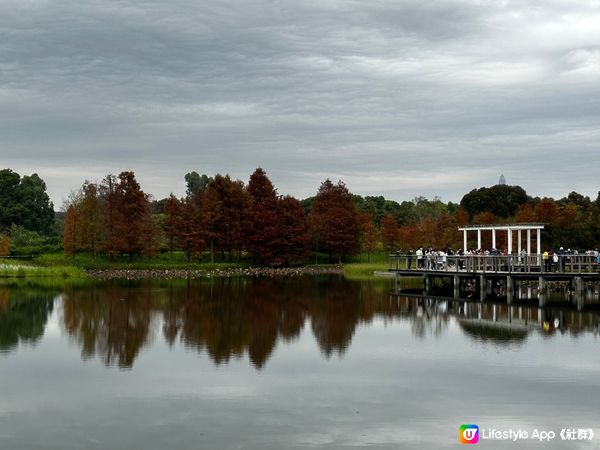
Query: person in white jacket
[[419, 254]]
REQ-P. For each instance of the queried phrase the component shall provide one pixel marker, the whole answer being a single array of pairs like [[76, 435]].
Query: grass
[[59, 265], [159, 262], [377, 257], [362, 271], [358, 268], [23, 270]]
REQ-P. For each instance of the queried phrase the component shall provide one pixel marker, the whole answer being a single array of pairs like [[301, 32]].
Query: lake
[[299, 362]]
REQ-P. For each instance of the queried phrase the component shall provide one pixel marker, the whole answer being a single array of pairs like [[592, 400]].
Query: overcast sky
[[400, 98]]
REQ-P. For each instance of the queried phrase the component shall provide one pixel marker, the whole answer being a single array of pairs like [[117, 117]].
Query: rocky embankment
[[131, 274]]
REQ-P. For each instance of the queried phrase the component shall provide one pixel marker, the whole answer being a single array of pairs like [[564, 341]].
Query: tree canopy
[[501, 200], [196, 183], [24, 202]]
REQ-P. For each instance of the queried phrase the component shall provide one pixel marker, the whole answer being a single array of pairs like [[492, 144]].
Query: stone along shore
[[236, 272]]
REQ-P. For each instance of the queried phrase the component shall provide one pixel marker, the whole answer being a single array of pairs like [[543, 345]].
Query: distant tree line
[[228, 219], [224, 217]]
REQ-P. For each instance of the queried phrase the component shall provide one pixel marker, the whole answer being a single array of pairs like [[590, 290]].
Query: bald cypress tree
[[263, 235], [225, 214], [334, 220]]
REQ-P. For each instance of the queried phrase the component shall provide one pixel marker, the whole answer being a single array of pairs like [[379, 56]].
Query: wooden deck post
[[579, 292], [456, 286], [510, 289], [482, 287]]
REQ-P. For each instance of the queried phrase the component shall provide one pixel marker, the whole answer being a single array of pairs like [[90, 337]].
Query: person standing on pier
[[546, 258], [561, 259], [419, 254]]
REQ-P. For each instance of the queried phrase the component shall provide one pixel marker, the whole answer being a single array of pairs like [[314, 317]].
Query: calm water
[[288, 363]]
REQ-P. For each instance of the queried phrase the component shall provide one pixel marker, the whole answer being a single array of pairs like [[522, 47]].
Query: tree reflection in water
[[23, 315], [232, 318], [112, 322], [223, 317]]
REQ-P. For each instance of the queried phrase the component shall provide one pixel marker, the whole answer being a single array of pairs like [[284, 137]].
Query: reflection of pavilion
[[495, 322]]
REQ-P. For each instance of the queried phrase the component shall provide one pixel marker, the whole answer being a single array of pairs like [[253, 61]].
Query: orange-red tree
[[130, 228], [389, 232], [226, 205], [368, 234], [89, 213], [190, 232], [294, 231], [525, 214], [546, 210], [409, 236], [4, 246], [70, 235], [263, 235], [461, 217], [110, 200], [335, 220], [172, 221]]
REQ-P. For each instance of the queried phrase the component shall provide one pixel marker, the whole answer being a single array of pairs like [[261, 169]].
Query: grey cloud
[[401, 98]]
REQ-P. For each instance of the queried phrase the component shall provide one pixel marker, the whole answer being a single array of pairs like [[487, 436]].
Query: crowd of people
[[552, 261]]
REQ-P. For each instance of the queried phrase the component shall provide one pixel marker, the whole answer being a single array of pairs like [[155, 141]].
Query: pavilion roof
[[503, 226]]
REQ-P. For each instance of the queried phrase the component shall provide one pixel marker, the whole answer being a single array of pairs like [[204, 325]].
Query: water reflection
[[496, 323], [237, 318], [111, 322], [23, 316], [224, 318]]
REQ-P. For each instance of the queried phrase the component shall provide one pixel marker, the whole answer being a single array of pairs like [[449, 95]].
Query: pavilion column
[[529, 242], [494, 238], [519, 241], [478, 239], [509, 241], [465, 240], [539, 241]]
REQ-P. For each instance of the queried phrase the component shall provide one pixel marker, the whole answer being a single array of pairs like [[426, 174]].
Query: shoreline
[[256, 272]]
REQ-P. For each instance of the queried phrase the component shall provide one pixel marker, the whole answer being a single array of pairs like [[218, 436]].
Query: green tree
[[24, 202], [501, 200], [196, 183], [10, 207], [27, 242]]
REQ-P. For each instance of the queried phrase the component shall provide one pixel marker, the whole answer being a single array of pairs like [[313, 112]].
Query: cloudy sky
[[400, 98]]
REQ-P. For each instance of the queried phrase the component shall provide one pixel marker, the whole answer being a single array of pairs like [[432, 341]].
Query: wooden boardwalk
[[507, 271]]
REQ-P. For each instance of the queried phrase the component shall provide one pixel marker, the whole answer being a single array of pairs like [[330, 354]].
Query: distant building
[[502, 180]]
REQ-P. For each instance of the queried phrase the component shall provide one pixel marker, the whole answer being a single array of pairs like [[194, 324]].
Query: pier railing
[[572, 264]]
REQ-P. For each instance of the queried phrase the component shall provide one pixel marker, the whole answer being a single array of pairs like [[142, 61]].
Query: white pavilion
[[522, 230]]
